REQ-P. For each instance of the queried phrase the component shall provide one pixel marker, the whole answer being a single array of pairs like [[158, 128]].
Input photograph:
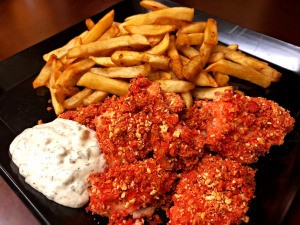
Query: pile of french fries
[[165, 45]]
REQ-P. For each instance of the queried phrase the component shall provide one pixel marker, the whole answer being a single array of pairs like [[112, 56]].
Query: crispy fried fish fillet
[[240, 127], [129, 191], [217, 192]]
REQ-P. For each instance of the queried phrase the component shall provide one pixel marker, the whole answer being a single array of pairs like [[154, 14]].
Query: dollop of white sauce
[[56, 158]]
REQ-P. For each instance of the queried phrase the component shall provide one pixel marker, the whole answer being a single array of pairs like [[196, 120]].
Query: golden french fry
[[132, 17], [204, 79], [233, 47], [65, 91], [132, 58], [101, 83], [123, 72], [161, 47], [221, 79], [221, 48], [188, 99], [211, 33], [60, 52], [96, 96], [72, 74], [195, 27], [209, 93], [103, 61], [188, 51], [56, 98], [240, 71], [177, 86], [254, 63], [171, 21], [214, 57], [154, 40], [272, 73], [77, 99], [99, 28], [184, 60], [153, 5], [175, 61], [154, 76], [98, 47], [189, 39], [197, 63], [112, 32], [43, 78], [164, 75], [149, 29], [180, 13], [89, 23]]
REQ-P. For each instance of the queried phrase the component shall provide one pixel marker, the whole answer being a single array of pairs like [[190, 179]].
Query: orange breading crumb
[[217, 192], [135, 189]]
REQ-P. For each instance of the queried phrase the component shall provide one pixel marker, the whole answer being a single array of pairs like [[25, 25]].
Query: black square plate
[[278, 176]]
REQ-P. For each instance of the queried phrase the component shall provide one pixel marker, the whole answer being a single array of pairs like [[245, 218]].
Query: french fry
[[72, 74], [153, 5], [65, 91], [154, 76], [188, 99], [101, 83], [112, 32], [132, 17], [89, 23], [195, 27], [171, 21], [60, 52], [189, 39], [149, 29], [197, 63], [43, 78], [98, 47], [175, 61], [188, 51], [96, 96], [165, 75], [233, 47], [177, 86], [103, 61], [181, 13], [221, 79], [56, 98], [204, 79], [254, 63], [211, 33], [272, 73], [240, 71], [77, 99], [154, 40], [123, 72], [184, 60], [99, 28], [132, 58], [209, 93], [161, 47], [214, 57]]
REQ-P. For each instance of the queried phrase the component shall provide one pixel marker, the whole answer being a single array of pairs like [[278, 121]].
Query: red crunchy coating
[[217, 192], [133, 190], [241, 127], [145, 123], [85, 115]]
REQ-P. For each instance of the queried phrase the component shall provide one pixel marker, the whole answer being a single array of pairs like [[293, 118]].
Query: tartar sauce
[[56, 158]]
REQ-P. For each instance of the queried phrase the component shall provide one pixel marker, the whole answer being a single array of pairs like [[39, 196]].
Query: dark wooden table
[[25, 23]]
